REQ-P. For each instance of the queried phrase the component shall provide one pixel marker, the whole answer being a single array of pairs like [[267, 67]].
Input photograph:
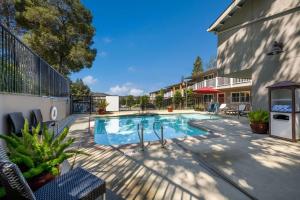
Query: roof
[[100, 94], [227, 14], [284, 84]]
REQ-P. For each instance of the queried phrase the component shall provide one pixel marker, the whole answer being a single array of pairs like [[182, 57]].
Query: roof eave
[[235, 5]]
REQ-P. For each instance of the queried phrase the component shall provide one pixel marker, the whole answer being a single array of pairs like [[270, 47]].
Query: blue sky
[[144, 45]]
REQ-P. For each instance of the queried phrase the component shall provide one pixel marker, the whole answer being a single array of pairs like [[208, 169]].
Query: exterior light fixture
[[277, 48]]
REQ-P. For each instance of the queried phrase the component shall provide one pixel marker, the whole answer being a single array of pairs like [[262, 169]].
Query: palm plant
[[36, 154], [259, 116]]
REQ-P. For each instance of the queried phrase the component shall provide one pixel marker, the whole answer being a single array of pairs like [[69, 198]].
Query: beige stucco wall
[[25, 103], [243, 45]]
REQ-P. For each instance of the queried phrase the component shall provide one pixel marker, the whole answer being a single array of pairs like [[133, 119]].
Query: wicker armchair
[[76, 184]]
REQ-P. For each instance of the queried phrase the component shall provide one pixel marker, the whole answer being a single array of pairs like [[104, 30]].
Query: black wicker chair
[[37, 117], [16, 122], [76, 184]]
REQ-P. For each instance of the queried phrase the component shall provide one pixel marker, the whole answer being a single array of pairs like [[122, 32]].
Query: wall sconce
[[277, 48]]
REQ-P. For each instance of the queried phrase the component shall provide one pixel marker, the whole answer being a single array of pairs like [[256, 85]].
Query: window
[[235, 97], [208, 98], [240, 97]]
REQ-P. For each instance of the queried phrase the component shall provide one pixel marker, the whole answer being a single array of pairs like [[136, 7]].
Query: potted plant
[[39, 156], [199, 107], [259, 121], [170, 108], [102, 104]]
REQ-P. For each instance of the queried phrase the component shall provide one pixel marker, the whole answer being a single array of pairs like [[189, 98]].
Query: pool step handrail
[[140, 131], [161, 137]]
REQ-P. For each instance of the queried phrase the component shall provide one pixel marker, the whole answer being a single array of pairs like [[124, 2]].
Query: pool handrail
[[141, 135], [161, 139]]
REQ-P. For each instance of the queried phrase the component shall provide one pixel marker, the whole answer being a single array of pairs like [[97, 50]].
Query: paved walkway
[[267, 168]]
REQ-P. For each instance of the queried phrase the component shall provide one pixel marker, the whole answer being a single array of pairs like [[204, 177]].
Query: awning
[[206, 90]]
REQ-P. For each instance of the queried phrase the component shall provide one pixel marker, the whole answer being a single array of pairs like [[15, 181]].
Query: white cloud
[[126, 89], [102, 53], [89, 80], [107, 40], [131, 69]]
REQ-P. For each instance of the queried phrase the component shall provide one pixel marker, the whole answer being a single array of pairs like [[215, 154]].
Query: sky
[[146, 45]]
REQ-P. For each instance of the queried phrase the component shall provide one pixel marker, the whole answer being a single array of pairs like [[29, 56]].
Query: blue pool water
[[123, 130]]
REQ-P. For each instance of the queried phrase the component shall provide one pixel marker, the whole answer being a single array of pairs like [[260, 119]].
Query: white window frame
[[245, 92]]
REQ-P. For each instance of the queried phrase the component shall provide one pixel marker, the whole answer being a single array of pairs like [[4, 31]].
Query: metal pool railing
[[140, 131], [161, 137]]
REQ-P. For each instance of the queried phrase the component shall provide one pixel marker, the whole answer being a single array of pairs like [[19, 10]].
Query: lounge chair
[[75, 184], [223, 107], [37, 117], [213, 108], [16, 122], [241, 109]]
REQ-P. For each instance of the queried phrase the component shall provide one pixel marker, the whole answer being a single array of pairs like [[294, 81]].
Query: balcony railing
[[24, 72], [220, 82]]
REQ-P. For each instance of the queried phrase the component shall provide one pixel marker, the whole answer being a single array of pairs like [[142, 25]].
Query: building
[[230, 90], [259, 40]]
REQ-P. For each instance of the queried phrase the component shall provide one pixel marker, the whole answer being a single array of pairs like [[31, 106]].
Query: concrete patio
[[251, 166]]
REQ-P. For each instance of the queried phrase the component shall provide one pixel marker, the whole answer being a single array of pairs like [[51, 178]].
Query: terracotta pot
[[40, 180], [170, 109], [101, 112], [260, 128]]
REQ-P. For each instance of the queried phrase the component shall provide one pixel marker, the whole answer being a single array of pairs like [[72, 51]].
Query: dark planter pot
[[170, 109], [101, 112], [260, 128], [36, 182]]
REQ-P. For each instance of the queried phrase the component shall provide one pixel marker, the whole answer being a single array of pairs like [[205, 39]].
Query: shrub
[[259, 116], [36, 154]]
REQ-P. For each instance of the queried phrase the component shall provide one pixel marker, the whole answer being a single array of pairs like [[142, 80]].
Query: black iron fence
[[85, 104], [23, 71]]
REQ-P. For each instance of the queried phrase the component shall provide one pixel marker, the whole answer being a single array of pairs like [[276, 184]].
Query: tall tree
[[177, 99], [60, 31], [159, 99], [78, 88], [7, 14], [130, 101], [198, 68]]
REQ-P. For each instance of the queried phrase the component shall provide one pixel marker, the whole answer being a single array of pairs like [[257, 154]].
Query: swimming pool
[[123, 129]]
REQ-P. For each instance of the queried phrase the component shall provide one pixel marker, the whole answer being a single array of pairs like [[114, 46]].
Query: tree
[[198, 68], [122, 101], [190, 95], [60, 31], [78, 88], [212, 63], [177, 99], [144, 101], [7, 13], [130, 101], [159, 99]]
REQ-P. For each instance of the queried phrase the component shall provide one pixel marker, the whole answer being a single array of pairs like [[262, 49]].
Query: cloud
[[102, 53], [89, 80], [131, 69], [126, 89], [107, 40]]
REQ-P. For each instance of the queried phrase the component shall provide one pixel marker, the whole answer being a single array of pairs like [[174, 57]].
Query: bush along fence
[[24, 72]]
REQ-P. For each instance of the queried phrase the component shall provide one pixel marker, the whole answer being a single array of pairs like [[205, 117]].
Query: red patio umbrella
[[206, 90]]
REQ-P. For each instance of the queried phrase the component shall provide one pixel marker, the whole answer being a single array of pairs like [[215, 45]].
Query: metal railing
[[23, 71], [140, 131], [161, 137]]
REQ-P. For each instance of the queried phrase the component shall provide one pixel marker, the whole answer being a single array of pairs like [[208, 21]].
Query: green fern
[[259, 116], [39, 153]]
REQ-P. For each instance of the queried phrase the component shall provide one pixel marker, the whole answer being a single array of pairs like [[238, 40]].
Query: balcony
[[223, 83]]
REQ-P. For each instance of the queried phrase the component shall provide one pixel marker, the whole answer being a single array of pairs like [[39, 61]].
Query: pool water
[[123, 129]]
